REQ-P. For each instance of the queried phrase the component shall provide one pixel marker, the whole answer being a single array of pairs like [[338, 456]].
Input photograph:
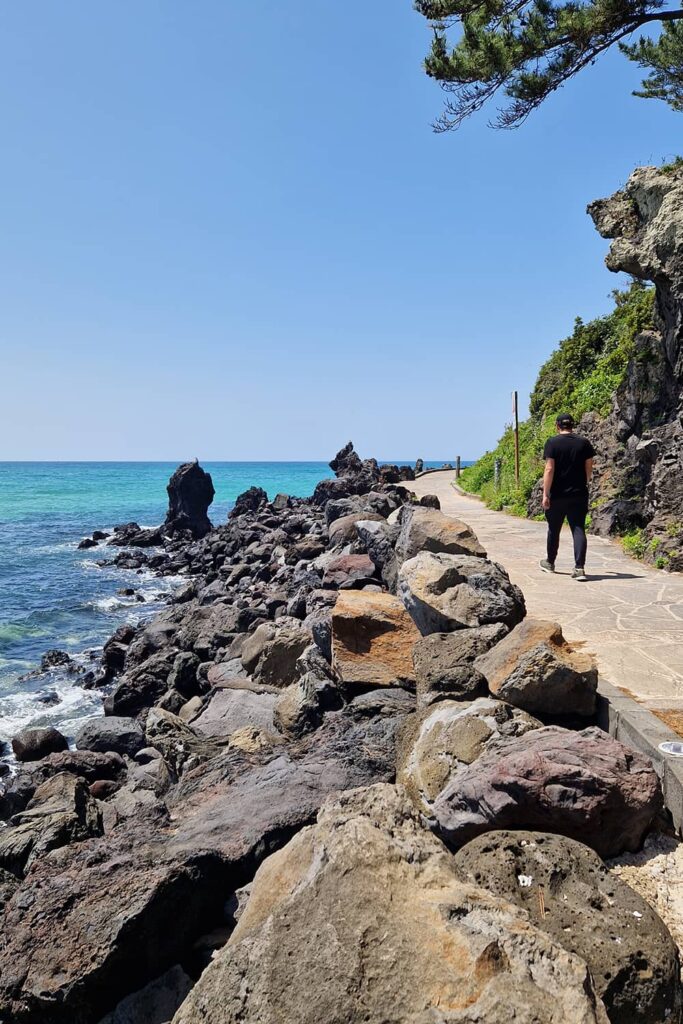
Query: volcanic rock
[[439, 740], [426, 529], [372, 639], [111, 733], [61, 811], [231, 709], [271, 653], [33, 744], [140, 687], [534, 668], [583, 785], [343, 530], [251, 500], [361, 918], [638, 478], [127, 905], [568, 892], [378, 539], [190, 492], [444, 667], [446, 592], [348, 571]]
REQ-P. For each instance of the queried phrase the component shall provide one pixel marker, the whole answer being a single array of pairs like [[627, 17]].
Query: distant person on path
[[568, 470]]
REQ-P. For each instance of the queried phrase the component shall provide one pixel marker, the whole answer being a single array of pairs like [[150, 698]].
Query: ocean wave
[[26, 710], [10, 632]]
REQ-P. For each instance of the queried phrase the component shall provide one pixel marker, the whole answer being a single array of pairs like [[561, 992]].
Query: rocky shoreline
[[341, 777]]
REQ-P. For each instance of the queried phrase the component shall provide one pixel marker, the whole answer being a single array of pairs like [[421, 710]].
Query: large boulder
[[270, 654], [232, 708], [34, 744], [190, 492], [361, 918], [125, 906], [583, 785], [61, 811], [372, 639], [568, 892], [446, 592], [111, 733], [444, 663], [427, 529], [140, 687], [534, 668], [438, 741]]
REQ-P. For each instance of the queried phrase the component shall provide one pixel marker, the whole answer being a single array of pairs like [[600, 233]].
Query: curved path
[[628, 615]]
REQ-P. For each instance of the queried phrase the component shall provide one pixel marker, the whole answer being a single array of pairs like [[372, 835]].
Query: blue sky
[[228, 230]]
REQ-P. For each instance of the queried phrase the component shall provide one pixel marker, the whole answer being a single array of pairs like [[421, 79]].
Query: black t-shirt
[[570, 453]]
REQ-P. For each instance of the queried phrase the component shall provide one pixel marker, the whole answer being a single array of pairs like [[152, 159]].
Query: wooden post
[[457, 467], [515, 414]]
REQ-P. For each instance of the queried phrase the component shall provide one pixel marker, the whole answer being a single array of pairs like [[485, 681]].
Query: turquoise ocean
[[54, 596]]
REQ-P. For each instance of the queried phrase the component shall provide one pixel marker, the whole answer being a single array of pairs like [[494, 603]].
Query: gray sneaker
[[546, 566], [579, 574]]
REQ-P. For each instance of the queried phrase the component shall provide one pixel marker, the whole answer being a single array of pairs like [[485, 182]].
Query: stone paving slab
[[628, 615]]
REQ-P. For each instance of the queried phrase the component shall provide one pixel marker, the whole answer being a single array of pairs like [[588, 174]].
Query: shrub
[[634, 543], [580, 376]]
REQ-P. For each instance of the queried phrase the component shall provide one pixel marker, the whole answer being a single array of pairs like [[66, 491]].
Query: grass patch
[[634, 543]]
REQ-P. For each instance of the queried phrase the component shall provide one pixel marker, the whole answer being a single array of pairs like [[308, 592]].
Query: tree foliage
[[528, 48], [664, 58]]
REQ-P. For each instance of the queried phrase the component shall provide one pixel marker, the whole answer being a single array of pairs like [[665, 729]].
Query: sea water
[[53, 595]]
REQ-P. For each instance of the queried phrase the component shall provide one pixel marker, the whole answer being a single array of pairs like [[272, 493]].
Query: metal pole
[[496, 473], [457, 467], [515, 414]]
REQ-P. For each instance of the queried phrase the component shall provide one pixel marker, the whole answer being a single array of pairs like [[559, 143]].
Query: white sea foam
[[25, 710]]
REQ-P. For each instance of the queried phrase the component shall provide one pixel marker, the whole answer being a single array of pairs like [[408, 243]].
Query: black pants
[[575, 511]]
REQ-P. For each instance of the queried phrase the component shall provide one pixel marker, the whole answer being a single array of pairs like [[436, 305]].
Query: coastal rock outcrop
[[638, 476], [190, 492], [282, 672], [127, 905], [361, 917], [583, 785]]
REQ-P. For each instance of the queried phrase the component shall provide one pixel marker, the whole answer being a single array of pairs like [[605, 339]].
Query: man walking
[[568, 470]]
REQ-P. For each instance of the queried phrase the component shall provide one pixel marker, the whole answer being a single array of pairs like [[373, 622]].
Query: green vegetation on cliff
[[580, 376]]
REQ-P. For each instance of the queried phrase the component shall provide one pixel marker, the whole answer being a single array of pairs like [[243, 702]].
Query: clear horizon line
[[223, 462]]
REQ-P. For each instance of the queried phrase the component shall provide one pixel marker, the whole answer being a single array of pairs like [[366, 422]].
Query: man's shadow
[[597, 577]]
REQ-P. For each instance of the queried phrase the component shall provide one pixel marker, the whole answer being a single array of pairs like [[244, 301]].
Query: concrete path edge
[[636, 727]]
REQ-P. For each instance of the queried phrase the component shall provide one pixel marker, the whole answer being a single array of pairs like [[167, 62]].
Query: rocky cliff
[[639, 482]]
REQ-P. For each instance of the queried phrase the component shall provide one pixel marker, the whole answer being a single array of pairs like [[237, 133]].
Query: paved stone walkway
[[628, 615]]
